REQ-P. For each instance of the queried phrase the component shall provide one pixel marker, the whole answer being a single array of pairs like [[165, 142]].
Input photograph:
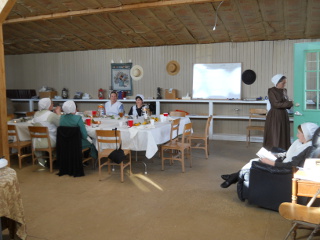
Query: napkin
[[133, 132], [3, 162], [150, 126]]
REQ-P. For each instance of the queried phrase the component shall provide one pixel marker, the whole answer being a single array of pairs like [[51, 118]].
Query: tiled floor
[[161, 205]]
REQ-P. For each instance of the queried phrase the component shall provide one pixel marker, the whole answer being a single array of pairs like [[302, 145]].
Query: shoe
[[42, 162], [225, 184], [225, 176]]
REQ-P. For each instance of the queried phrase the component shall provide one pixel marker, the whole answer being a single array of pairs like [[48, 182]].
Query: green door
[[306, 83]]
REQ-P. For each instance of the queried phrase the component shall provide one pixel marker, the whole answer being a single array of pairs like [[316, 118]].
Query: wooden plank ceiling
[[39, 26]]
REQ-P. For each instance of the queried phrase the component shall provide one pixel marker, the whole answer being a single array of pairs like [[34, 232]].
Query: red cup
[[94, 113], [165, 114], [130, 122], [88, 121]]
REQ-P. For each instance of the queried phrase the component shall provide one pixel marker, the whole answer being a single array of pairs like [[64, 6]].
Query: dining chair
[[180, 147], [177, 114], [70, 155], [301, 215], [204, 136], [37, 133], [30, 114], [112, 137], [10, 117], [255, 113], [174, 133], [15, 143]]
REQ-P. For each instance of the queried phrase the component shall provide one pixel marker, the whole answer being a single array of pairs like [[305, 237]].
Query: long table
[[140, 138]]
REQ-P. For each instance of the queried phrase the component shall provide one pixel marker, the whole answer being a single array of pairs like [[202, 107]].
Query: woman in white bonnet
[[295, 156], [137, 109], [45, 117], [72, 120], [277, 125]]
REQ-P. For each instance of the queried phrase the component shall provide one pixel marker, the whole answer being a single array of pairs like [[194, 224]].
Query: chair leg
[[190, 156], [248, 138], [291, 229], [121, 171], [162, 160], [99, 162], [182, 161], [50, 161], [313, 232], [19, 157]]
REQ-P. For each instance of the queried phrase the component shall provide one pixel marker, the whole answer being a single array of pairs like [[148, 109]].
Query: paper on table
[[264, 153]]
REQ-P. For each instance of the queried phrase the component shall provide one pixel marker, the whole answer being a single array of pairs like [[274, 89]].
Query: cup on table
[[165, 114], [120, 123], [152, 121], [130, 122], [94, 113], [88, 121]]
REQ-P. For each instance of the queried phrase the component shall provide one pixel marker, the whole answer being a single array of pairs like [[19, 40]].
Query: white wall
[[87, 71]]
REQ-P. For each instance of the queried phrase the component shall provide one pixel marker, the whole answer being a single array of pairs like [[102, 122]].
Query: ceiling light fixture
[[216, 18]]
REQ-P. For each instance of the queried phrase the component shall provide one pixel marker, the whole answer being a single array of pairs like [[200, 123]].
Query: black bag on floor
[[117, 155]]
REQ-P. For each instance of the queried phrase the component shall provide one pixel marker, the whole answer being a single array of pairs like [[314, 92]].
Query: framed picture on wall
[[120, 77]]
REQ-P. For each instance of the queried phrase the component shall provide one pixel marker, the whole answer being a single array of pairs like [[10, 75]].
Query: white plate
[[3, 163]]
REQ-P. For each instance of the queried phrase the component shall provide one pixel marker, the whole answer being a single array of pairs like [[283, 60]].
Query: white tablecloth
[[22, 129], [141, 138], [145, 137]]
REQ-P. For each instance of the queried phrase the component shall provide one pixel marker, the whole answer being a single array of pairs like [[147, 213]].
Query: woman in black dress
[[277, 126]]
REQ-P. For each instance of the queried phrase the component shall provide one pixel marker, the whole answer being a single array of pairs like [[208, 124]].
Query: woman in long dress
[[72, 120], [277, 125]]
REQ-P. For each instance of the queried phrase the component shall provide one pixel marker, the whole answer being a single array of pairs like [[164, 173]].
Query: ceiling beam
[[164, 3]]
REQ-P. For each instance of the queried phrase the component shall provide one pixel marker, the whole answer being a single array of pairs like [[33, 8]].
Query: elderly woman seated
[[301, 149], [45, 117], [72, 120]]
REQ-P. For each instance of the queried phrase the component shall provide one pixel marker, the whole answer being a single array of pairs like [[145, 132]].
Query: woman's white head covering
[[275, 79], [308, 130], [69, 107], [44, 104], [140, 96]]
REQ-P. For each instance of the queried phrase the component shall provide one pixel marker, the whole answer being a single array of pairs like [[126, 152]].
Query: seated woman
[[113, 107], [295, 156], [45, 117], [72, 120], [137, 109]]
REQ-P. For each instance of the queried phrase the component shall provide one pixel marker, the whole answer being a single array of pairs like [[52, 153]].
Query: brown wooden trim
[[123, 8]]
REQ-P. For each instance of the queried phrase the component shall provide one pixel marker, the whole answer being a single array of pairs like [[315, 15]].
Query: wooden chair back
[[30, 114], [41, 132], [187, 131], [174, 133], [111, 137], [108, 137], [203, 137], [177, 114], [255, 113], [17, 144], [10, 117]]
